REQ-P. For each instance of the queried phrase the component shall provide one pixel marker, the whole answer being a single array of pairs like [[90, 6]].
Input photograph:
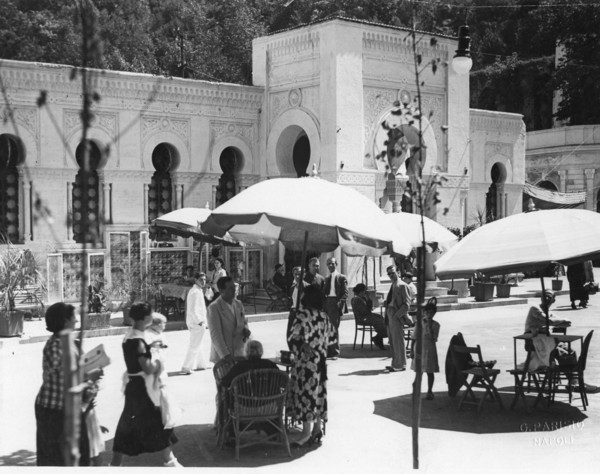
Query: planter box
[[503, 290], [11, 323], [97, 320], [484, 291], [557, 285]]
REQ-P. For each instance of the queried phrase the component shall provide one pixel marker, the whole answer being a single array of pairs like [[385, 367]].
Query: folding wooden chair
[[258, 396], [571, 379], [479, 375]]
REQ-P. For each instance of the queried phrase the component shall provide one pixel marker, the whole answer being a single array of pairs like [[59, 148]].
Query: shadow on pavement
[[22, 457], [442, 413], [365, 372], [197, 447], [346, 352]]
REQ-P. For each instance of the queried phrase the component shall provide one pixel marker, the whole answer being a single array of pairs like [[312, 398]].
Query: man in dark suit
[[362, 307], [335, 292]]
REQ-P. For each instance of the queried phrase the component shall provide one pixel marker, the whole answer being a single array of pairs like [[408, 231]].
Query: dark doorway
[[301, 156]]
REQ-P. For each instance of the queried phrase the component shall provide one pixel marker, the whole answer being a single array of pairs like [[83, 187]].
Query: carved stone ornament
[[26, 117], [243, 131], [179, 127], [295, 97], [497, 148], [105, 121]]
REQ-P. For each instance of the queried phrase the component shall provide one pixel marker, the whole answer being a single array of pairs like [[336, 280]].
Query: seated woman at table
[[280, 280], [536, 317]]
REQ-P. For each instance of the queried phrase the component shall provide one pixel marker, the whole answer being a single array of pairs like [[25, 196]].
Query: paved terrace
[[369, 414]]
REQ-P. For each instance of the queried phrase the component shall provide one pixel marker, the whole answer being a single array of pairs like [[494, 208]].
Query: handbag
[[591, 287]]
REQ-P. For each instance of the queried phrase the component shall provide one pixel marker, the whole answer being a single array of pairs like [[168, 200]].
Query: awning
[[546, 199]]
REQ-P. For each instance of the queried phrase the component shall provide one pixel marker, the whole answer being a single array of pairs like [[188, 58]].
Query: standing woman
[[310, 335], [217, 273], [140, 428], [49, 403]]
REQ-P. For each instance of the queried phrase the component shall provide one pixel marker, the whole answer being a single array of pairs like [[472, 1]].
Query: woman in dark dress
[[311, 334], [140, 428]]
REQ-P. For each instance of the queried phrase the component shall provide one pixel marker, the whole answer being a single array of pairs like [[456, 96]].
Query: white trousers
[[194, 358]]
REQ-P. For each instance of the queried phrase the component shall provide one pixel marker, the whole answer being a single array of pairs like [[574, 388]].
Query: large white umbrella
[[186, 221], [410, 226], [524, 242], [307, 213], [327, 214]]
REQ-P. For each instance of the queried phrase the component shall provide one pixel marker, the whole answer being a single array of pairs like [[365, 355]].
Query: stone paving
[[369, 418]]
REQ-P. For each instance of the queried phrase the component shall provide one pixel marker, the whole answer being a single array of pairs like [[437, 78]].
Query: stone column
[[589, 189], [145, 210], [69, 210], [563, 180], [26, 211], [106, 188], [395, 186], [179, 196]]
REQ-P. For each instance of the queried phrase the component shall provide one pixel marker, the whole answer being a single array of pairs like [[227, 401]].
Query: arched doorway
[[547, 185], [86, 194], [165, 159], [231, 162], [494, 199], [301, 155], [293, 151], [11, 155]]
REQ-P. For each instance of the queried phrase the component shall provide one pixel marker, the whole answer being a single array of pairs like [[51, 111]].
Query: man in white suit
[[227, 323], [195, 319]]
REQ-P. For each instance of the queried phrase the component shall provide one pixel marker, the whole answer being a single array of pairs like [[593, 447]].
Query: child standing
[[157, 383], [429, 358]]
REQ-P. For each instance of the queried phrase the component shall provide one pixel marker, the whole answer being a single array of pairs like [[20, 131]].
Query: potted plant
[[557, 271], [99, 307], [483, 288], [503, 287], [128, 286], [18, 268]]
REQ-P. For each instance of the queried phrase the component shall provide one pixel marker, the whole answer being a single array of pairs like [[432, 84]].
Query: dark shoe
[[583, 304], [389, 368], [378, 341], [315, 439], [573, 306]]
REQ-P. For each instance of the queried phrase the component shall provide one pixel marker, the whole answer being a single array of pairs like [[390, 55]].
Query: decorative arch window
[[11, 155], [160, 191], [86, 185], [231, 162]]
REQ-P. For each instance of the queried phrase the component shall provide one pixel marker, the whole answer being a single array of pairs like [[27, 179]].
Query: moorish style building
[[319, 95]]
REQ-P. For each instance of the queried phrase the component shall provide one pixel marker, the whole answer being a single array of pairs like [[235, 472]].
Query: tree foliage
[[513, 41]]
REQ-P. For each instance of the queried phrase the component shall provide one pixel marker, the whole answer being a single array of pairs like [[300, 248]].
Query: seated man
[[280, 280], [254, 352], [541, 344], [536, 317], [362, 307]]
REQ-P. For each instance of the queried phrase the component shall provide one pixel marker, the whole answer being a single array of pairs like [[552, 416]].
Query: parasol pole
[[545, 306], [301, 285]]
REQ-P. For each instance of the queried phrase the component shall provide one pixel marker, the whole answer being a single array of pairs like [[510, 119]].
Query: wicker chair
[[258, 396]]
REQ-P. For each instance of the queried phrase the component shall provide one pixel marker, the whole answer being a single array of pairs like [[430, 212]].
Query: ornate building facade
[[156, 144]]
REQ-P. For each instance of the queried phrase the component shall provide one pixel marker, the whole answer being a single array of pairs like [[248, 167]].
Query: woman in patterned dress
[[140, 428], [310, 335], [429, 358]]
